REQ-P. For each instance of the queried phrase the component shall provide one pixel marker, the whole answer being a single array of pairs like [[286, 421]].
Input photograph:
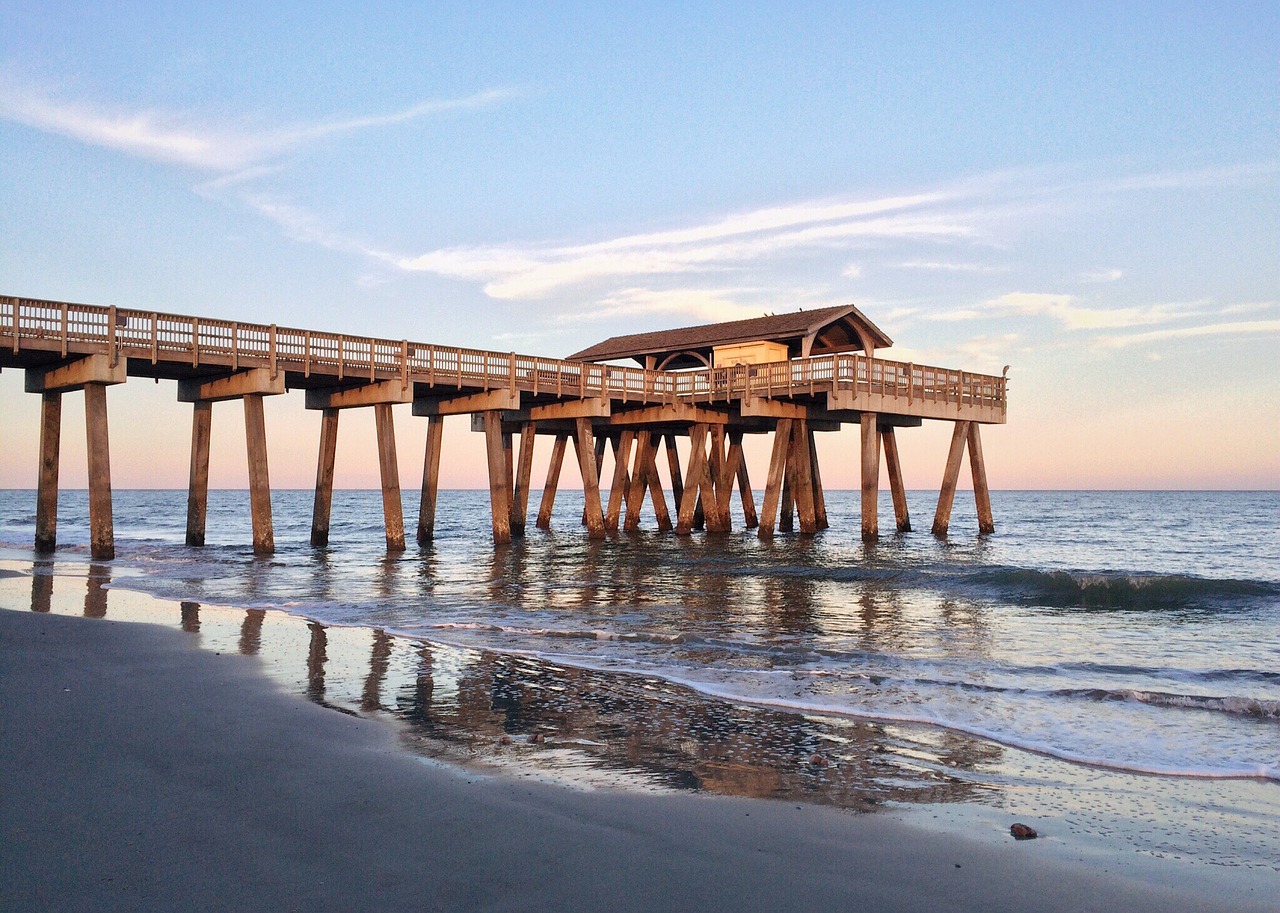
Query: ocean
[[1106, 666]]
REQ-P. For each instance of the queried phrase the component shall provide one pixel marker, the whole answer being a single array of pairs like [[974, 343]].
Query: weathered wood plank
[[819, 494], [553, 481], [902, 519], [774, 481], [323, 502], [622, 445], [388, 469], [870, 437], [198, 478], [47, 492], [981, 494], [947, 495], [499, 500], [585, 446], [102, 543], [524, 469], [430, 479], [255, 433], [803, 486]]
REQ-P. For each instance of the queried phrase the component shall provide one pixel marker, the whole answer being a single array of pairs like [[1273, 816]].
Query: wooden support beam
[[591, 407], [255, 433], [947, 495], [716, 495], [773, 483], [198, 478], [981, 494], [388, 469], [553, 481], [787, 509], [370, 394], [673, 466], [250, 382], [493, 400], [524, 469], [47, 494], [601, 442], [870, 435], [678, 413], [590, 478], [74, 375], [622, 445], [643, 475], [320, 508], [499, 494], [819, 495], [656, 494], [102, 542], [509, 467], [803, 486], [430, 480], [760, 407], [900, 515], [744, 483], [732, 464], [693, 480]]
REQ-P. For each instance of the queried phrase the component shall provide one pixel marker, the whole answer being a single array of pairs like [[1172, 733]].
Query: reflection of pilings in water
[[251, 631], [791, 604], [41, 591], [317, 656], [685, 742], [95, 597], [190, 617], [379, 662]]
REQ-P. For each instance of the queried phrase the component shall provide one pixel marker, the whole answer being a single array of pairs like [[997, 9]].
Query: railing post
[[155, 337], [111, 334], [195, 342], [271, 351], [235, 345], [404, 364], [14, 302], [65, 320], [306, 353], [373, 359], [511, 372]]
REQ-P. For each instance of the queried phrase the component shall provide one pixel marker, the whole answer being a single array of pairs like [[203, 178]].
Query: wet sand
[[141, 773]]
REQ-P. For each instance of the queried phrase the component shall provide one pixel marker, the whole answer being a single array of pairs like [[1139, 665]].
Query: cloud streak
[[535, 271], [182, 140]]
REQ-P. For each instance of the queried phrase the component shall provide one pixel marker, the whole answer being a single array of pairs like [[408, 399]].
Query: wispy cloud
[[1066, 310], [1241, 328], [182, 139], [1103, 275], [950, 267], [534, 271]]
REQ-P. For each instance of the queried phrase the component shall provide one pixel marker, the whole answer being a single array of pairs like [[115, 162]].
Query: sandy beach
[[142, 773]]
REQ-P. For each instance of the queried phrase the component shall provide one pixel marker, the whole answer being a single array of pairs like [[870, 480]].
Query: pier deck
[[65, 346]]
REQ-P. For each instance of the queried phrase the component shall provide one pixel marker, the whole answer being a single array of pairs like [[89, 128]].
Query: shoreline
[[207, 702]]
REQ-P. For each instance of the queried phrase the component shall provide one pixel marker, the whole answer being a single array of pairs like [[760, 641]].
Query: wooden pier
[[790, 375]]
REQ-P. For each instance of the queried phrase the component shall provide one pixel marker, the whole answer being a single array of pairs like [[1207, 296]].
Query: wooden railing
[[159, 337]]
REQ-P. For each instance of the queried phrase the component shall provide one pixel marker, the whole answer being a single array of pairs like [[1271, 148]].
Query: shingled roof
[[819, 332]]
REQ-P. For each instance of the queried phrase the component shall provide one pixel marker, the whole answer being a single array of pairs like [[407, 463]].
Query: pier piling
[[198, 477], [47, 494]]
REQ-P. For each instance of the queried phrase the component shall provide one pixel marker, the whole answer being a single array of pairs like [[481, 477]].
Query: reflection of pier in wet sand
[[478, 707]]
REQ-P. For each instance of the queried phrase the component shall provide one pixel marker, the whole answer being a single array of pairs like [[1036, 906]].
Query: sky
[[1088, 193]]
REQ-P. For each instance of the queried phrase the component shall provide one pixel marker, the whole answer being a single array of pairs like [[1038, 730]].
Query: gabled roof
[[820, 332]]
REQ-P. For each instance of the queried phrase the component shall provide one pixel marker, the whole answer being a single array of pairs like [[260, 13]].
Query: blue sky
[[1090, 194]]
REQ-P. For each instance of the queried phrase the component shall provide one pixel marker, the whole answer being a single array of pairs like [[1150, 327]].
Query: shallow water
[[1096, 636]]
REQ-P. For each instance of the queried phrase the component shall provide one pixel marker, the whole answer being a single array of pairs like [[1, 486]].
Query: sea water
[[1095, 635]]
